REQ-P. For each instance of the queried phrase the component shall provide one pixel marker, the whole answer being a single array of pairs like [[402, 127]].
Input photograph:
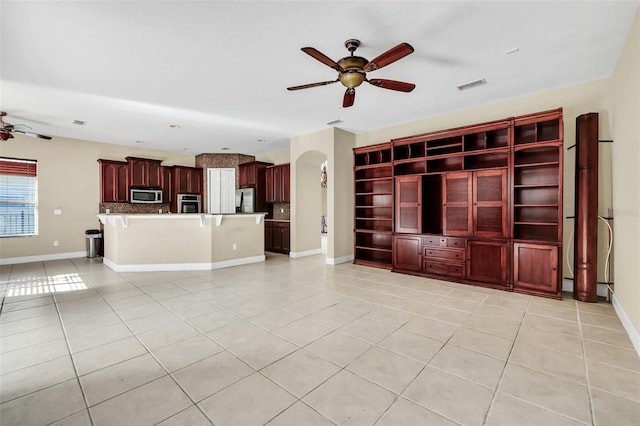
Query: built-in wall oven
[[189, 203]]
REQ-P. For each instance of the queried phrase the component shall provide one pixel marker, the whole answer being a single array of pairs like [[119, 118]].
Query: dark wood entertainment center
[[480, 204]]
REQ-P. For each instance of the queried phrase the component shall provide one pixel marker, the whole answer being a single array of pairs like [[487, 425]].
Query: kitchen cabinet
[[167, 185], [278, 183], [187, 180], [277, 236], [144, 172], [114, 181], [253, 175]]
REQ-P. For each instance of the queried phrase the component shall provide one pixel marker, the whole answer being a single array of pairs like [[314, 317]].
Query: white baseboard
[[626, 323], [158, 267], [42, 258], [305, 253], [338, 260], [567, 285]]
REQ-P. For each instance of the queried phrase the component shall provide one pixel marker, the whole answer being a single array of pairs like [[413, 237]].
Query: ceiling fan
[[7, 129], [352, 70]]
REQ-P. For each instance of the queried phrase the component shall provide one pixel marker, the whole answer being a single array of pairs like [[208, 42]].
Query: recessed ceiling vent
[[334, 122], [472, 84], [79, 122]]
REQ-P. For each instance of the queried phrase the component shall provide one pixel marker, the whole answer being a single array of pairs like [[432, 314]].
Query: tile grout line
[[586, 367], [506, 363], [159, 363], [73, 362]]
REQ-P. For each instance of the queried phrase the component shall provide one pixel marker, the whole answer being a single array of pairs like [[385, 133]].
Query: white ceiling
[[220, 69]]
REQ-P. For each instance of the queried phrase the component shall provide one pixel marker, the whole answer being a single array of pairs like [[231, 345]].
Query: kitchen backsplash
[[134, 208], [281, 211]]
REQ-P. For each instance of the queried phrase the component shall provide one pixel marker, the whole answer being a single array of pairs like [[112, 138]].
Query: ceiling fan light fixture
[[351, 78]]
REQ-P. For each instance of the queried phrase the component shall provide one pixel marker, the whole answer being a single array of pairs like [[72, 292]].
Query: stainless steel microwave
[[145, 195]]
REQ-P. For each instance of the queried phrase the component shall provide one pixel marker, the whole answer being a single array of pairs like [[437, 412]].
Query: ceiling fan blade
[[319, 56], [389, 57], [306, 86], [33, 135], [349, 97], [400, 86]]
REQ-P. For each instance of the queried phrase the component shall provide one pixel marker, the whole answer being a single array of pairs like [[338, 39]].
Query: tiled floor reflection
[[299, 342]]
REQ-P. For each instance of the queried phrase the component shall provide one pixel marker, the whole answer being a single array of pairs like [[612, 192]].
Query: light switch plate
[[57, 212]]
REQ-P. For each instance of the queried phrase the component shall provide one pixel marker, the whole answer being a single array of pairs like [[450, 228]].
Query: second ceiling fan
[[352, 70]]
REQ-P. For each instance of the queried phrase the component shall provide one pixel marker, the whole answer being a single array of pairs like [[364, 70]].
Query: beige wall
[[68, 178], [626, 175], [343, 198], [309, 205], [276, 157]]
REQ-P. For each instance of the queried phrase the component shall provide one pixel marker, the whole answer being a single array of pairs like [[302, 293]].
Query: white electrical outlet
[[282, 210], [107, 211], [235, 246], [55, 243]]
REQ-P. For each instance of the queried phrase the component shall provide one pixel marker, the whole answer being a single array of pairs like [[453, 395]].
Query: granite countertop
[[277, 220]]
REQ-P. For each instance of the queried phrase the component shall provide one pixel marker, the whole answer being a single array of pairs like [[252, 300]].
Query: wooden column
[[586, 209]]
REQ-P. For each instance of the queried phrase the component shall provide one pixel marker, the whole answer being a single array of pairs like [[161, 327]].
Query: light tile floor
[[299, 342]]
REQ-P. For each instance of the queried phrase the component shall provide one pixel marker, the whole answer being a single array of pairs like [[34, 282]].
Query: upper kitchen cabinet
[[145, 172], [254, 175], [278, 183], [114, 181], [187, 180]]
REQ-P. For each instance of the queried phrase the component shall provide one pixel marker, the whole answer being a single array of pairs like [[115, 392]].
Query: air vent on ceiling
[[472, 84], [79, 122], [331, 123]]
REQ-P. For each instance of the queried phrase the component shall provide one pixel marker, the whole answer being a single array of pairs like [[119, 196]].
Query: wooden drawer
[[453, 242], [432, 241], [439, 241], [454, 255], [436, 268]]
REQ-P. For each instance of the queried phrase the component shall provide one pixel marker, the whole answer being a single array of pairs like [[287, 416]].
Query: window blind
[[18, 197]]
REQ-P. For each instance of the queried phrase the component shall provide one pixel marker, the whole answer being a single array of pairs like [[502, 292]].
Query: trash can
[[94, 242]]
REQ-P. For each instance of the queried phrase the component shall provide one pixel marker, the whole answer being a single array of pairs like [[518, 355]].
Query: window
[[18, 197]]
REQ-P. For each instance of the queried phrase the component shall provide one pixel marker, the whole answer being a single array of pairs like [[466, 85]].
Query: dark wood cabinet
[[475, 204], [167, 185], [490, 204], [144, 172], [184, 180], [476, 195], [277, 236], [408, 204], [114, 181], [536, 270], [278, 182], [487, 261], [407, 253], [253, 175], [187, 180], [457, 212]]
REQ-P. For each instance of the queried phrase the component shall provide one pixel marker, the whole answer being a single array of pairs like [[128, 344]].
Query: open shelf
[[410, 168], [537, 156], [374, 172], [547, 232], [447, 164], [546, 174], [542, 131], [373, 157], [378, 241], [409, 151], [486, 161], [491, 139]]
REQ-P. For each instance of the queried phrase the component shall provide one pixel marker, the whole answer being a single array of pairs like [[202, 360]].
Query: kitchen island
[[181, 242]]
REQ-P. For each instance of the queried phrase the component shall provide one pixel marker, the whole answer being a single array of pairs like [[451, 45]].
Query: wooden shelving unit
[[373, 216], [494, 188]]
